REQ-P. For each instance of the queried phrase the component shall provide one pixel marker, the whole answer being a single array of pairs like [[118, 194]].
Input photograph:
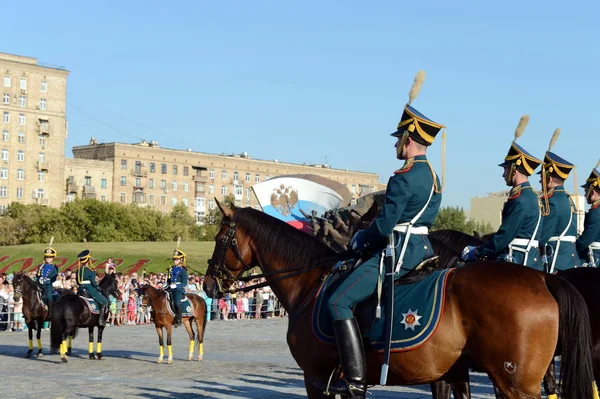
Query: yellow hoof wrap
[[201, 349], [90, 347], [595, 391], [99, 347], [63, 347], [161, 351], [170, 349], [39, 344], [552, 396], [30, 344], [192, 344]]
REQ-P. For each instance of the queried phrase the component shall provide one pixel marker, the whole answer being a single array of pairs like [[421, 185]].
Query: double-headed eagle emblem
[[284, 199]]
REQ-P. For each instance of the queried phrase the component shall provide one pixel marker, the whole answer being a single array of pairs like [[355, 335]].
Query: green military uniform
[[177, 282], [412, 201], [516, 239], [86, 279], [588, 244], [559, 223], [45, 276]]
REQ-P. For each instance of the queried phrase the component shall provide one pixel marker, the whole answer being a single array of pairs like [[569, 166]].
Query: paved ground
[[253, 362]]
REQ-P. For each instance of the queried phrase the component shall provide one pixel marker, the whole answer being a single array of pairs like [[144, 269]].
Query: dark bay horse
[[71, 312], [164, 319], [34, 312], [510, 331]]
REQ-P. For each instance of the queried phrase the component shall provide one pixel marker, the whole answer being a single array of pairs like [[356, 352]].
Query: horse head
[[109, 285], [18, 281]]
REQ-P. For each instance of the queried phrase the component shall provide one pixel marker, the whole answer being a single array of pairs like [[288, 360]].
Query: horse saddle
[[187, 308], [418, 307]]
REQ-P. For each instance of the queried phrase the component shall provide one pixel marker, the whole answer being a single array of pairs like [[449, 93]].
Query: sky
[[325, 81]]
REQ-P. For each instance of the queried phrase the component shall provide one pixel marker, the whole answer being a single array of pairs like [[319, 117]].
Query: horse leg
[[190, 330], [596, 372], [38, 335], [440, 390], [313, 392], [169, 347], [460, 386], [91, 343], [200, 324], [550, 381], [161, 348], [69, 344], [63, 346], [99, 343], [30, 327]]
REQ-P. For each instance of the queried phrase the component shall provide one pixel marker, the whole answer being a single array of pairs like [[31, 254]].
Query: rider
[[516, 239], [559, 224], [177, 282], [412, 201], [46, 275], [86, 279], [588, 244]]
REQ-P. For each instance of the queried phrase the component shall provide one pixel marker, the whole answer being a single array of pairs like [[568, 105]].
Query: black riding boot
[[102, 315], [50, 309], [178, 317], [352, 359]]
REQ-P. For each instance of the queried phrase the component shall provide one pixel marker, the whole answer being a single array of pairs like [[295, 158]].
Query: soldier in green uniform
[[86, 279], [177, 282], [588, 244], [559, 222], [516, 239], [412, 201], [46, 275]]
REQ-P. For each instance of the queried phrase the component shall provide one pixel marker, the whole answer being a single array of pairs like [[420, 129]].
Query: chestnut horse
[[33, 311], [164, 319], [510, 331]]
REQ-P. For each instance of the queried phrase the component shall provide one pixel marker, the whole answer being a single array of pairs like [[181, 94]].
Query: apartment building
[[33, 131]]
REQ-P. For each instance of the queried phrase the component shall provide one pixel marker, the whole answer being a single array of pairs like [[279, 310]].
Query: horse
[[164, 319], [71, 312], [537, 310], [34, 311]]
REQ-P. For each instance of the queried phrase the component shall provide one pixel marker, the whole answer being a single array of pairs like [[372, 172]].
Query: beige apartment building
[[149, 175], [88, 178], [34, 130]]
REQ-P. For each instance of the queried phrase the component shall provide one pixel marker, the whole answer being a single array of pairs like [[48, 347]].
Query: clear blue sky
[[304, 81]]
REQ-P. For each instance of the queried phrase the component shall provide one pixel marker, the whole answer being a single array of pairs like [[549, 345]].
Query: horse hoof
[[199, 358], [160, 360], [169, 361], [100, 357], [92, 356], [28, 355], [39, 354], [64, 359], [190, 357]]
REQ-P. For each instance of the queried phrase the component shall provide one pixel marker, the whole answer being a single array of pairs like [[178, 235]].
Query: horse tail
[[574, 339], [57, 324], [201, 337]]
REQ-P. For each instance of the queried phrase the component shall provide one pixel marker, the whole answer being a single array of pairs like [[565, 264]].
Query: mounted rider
[[177, 281], [517, 238], [412, 201], [86, 279], [588, 244], [559, 222], [46, 275]]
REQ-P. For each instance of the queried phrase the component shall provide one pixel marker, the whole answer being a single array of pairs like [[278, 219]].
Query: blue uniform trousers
[[47, 290], [94, 293]]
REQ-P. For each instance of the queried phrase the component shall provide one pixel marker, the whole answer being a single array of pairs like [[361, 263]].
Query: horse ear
[[476, 234], [225, 210]]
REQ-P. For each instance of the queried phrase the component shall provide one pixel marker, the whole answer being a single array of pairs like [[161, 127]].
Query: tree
[[454, 218]]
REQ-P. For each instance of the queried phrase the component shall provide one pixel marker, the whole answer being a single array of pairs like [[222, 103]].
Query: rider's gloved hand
[[468, 254]]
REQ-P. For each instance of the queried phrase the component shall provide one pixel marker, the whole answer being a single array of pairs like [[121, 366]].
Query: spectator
[[191, 286], [60, 281], [131, 307], [246, 305], [18, 314], [239, 306], [110, 266], [258, 303]]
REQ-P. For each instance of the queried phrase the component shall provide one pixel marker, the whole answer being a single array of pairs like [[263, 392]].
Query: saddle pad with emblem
[[187, 309], [418, 309], [91, 304], [42, 298]]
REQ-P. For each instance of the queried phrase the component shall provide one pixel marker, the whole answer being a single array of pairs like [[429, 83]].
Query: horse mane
[[453, 240], [29, 281], [286, 243]]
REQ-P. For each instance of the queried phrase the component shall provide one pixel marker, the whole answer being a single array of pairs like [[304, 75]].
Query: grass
[[135, 256]]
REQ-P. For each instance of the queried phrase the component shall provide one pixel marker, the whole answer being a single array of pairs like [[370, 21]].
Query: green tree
[[454, 218]]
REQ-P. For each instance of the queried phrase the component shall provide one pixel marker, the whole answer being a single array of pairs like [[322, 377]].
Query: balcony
[[89, 192], [44, 201], [200, 178], [43, 128], [43, 165], [138, 189], [139, 172], [72, 188]]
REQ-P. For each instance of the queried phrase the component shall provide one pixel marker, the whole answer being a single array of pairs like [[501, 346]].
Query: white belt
[[85, 282], [524, 242], [595, 245], [403, 228], [563, 239]]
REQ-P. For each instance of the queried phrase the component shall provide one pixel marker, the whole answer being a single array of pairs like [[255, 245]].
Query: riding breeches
[[97, 295], [47, 290]]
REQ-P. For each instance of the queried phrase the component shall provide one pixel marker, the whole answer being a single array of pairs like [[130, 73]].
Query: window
[[19, 192], [174, 186], [40, 193], [42, 140], [238, 190], [5, 155], [87, 181], [43, 104], [224, 190], [257, 178], [138, 167], [123, 164], [21, 137], [185, 201], [3, 191], [163, 200], [42, 157], [248, 177], [173, 201], [211, 174], [103, 198], [123, 197], [151, 199], [248, 194], [41, 175], [163, 168], [123, 180], [224, 175], [5, 135], [186, 171], [211, 189], [174, 169], [22, 101], [211, 204], [23, 84], [102, 183], [185, 187], [150, 183], [152, 167], [236, 176], [6, 117], [44, 124], [6, 81], [4, 173], [353, 189], [138, 182], [20, 174], [163, 184], [22, 119], [20, 156], [6, 98], [44, 86]]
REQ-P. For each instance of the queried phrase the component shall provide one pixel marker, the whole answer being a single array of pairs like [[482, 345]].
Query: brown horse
[[34, 311], [164, 319], [510, 331]]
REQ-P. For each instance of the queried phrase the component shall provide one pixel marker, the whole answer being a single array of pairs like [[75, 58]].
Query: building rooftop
[[21, 59]]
